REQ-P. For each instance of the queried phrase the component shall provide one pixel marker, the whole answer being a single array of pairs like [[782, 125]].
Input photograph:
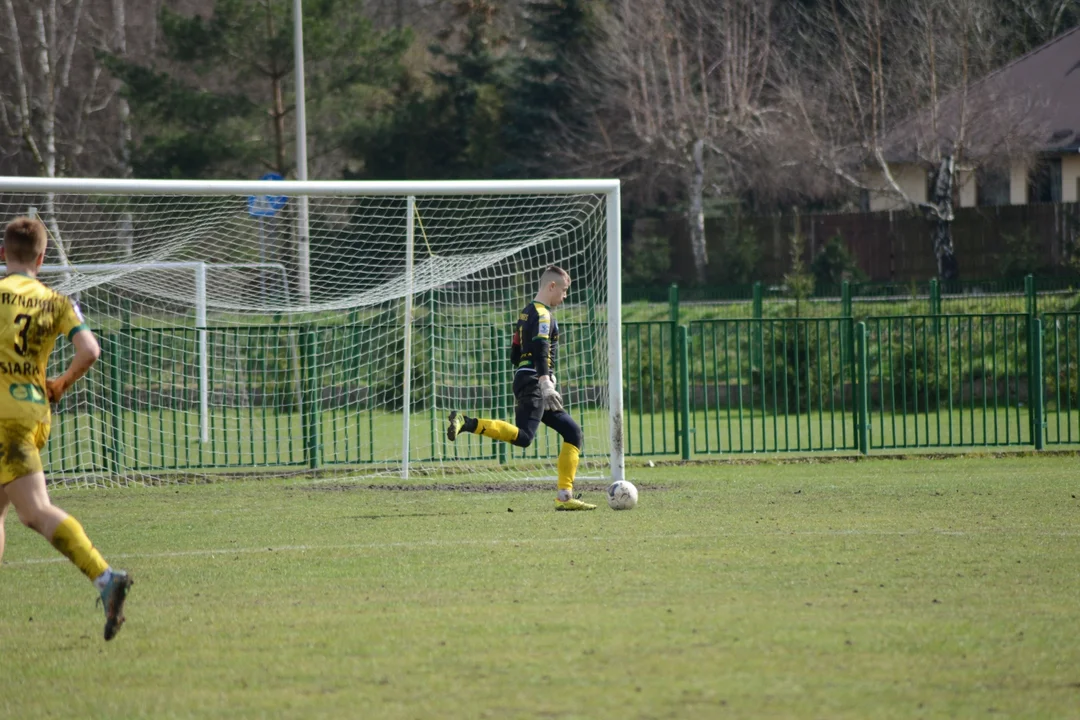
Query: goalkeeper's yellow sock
[[71, 540], [568, 462], [496, 429]]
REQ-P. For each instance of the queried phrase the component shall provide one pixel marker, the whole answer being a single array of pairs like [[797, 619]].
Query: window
[[991, 186], [864, 201], [1044, 182]]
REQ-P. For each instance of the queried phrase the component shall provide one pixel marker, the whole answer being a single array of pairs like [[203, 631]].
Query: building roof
[[1032, 104]]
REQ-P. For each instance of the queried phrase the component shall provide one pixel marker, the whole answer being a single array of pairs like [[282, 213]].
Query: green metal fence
[[317, 396], [948, 381], [1061, 377], [651, 387], [769, 385]]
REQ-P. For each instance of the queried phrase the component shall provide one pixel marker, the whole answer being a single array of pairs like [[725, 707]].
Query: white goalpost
[[213, 362]]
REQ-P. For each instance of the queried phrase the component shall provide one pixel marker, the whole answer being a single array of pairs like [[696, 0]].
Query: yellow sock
[[496, 429], [568, 462], [70, 539]]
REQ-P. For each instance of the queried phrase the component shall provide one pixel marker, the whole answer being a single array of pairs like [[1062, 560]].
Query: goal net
[[323, 328]]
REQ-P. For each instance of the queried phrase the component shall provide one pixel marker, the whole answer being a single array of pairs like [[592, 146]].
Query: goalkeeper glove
[[552, 398]]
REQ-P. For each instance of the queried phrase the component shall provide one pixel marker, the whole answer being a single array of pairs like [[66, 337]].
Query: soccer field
[[846, 589]]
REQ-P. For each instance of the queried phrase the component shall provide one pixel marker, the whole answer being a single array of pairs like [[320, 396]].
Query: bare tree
[[45, 109], [885, 83], [118, 46], [677, 90], [56, 94], [1035, 22]]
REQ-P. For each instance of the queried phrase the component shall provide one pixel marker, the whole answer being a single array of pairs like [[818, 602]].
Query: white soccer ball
[[622, 495]]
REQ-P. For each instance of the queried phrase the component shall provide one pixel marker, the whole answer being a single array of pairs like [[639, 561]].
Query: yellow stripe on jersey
[[543, 322]]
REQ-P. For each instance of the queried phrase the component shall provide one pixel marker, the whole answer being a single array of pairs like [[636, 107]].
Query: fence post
[[1033, 347], [308, 414], [433, 341], [1035, 384], [845, 299], [935, 305], [684, 395], [590, 319], [757, 341], [113, 346], [673, 318], [498, 376], [862, 389]]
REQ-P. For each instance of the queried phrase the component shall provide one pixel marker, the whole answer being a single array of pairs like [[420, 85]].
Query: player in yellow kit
[[31, 318]]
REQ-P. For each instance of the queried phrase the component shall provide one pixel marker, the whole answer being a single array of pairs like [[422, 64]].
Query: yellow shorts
[[20, 449]]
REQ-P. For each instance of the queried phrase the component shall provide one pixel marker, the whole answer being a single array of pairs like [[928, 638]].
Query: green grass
[[250, 438], [721, 431], [861, 308], [885, 589], [245, 440], [633, 311]]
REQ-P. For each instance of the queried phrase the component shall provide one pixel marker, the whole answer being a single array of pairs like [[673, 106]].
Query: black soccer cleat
[[113, 597], [454, 425]]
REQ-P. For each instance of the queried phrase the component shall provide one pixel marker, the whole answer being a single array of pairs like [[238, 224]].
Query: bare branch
[[680, 91], [69, 51]]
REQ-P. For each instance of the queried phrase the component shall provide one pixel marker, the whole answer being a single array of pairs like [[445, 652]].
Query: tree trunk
[[277, 97], [124, 232], [696, 211], [948, 268]]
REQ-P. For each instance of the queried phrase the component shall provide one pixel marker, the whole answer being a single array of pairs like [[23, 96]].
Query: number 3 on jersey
[[23, 322]]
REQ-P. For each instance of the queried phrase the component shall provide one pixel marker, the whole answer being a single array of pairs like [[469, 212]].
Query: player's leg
[[66, 534], [4, 505], [459, 423], [569, 455], [27, 492], [36, 511], [528, 411]]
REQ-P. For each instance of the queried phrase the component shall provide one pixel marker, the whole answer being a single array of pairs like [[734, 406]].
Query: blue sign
[[266, 205]]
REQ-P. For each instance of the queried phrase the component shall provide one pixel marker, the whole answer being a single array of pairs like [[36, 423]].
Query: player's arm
[[554, 344], [540, 330], [87, 352], [515, 346], [541, 348]]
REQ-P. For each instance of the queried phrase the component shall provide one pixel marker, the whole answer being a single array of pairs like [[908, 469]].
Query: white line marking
[[537, 541]]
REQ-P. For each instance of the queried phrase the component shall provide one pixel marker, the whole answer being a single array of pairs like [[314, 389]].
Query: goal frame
[[610, 188]]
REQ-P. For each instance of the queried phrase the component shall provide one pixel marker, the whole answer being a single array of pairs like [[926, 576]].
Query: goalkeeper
[[533, 354], [31, 317]]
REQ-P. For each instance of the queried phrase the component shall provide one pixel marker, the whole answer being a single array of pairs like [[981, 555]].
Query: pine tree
[[223, 102], [558, 33]]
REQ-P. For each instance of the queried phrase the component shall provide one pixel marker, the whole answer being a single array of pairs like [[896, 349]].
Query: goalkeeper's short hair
[[552, 273]]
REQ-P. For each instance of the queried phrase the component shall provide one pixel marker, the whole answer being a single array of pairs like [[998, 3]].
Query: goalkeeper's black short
[[529, 412]]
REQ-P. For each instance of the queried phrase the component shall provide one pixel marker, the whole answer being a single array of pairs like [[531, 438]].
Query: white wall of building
[[910, 178], [965, 180], [1070, 178], [1018, 182]]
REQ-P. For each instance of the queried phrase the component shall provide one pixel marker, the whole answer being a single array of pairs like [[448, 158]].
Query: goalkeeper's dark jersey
[[536, 340]]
